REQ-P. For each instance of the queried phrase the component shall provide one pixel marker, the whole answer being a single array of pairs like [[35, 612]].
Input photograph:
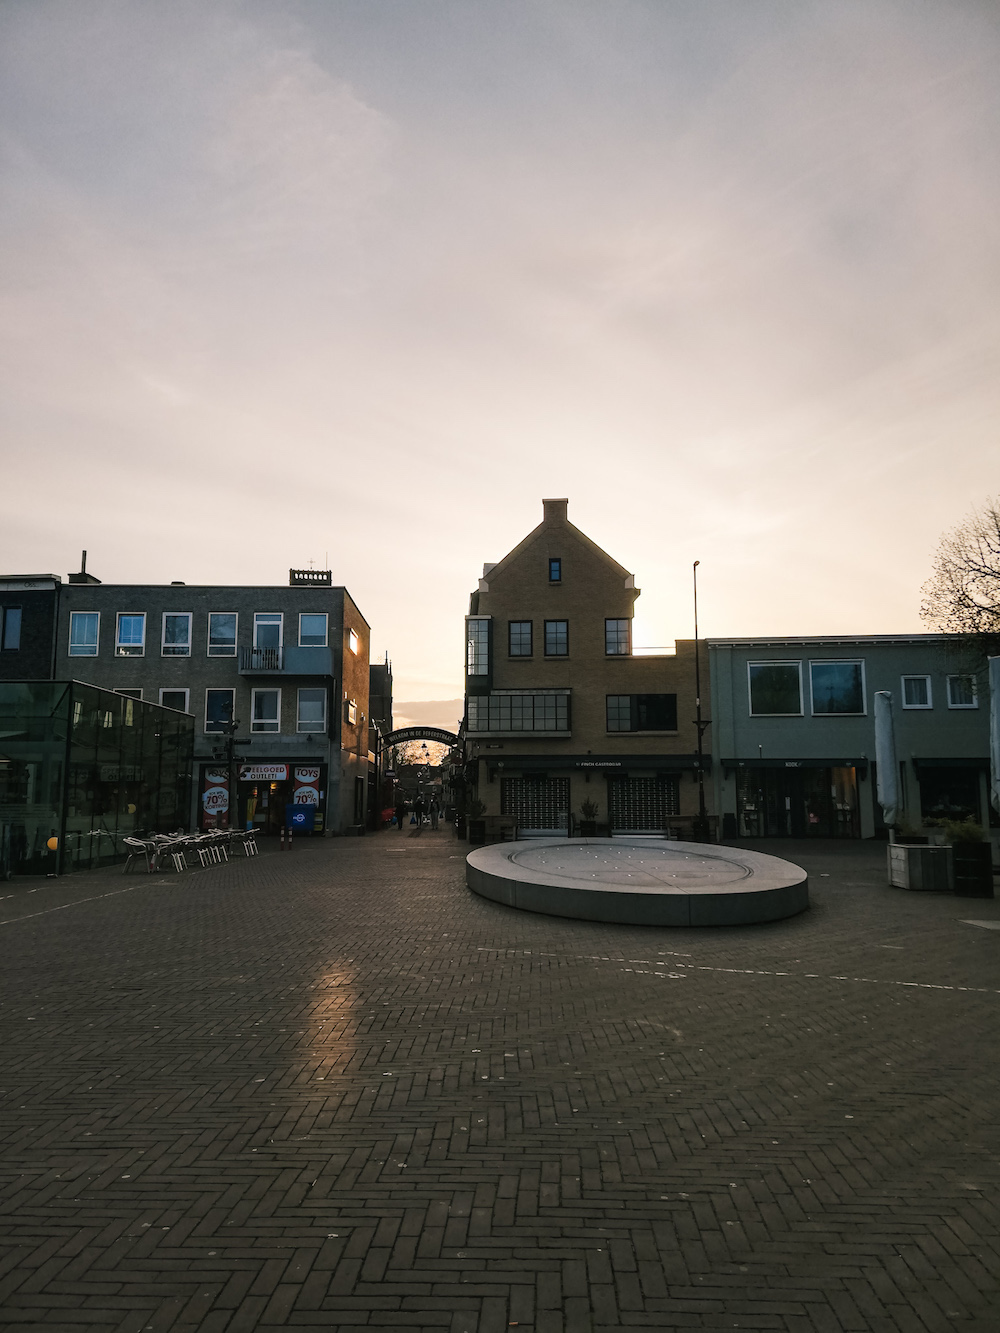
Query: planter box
[[973, 862], [477, 832], [920, 869], [588, 828]]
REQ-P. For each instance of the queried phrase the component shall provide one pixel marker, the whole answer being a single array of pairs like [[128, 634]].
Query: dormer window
[[555, 569]]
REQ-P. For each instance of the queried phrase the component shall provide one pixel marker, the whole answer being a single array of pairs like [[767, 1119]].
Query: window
[[775, 689], [555, 570], [352, 642], [642, 712], [312, 710], [265, 710], [312, 630], [556, 638], [11, 628], [350, 711], [520, 710], [130, 694], [84, 630], [222, 634], [176, 634], [519, 638], [177, 699], [477, 645], [220, 707], [962, 692], [267, 629], [837, 687], [130, 640], [616, 638], [916, 691]]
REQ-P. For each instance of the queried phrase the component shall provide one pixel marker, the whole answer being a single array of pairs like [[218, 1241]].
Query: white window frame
[[775, 661], [839, 661], [915, 675], [216, 689], [236, 634], [118, 627], [326, 631], [163, 632], [963, 675], [176, 689], [97, 640], [312, 729], [353, 642], [271, 614], [267, 730]]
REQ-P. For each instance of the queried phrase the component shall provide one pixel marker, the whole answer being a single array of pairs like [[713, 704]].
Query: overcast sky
[[363, 282]]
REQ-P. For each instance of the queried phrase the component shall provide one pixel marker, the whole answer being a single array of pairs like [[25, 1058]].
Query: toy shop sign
[[263, 772]]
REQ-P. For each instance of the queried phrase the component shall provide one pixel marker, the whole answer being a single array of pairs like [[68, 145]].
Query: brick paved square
[[334, 1089]]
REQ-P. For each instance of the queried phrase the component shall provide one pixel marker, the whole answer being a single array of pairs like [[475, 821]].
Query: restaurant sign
[[263, 772]]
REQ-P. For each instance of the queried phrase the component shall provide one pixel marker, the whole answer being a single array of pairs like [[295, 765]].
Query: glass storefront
[[81, 768], [797, 802]]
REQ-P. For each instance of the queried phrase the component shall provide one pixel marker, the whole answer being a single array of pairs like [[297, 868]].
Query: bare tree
[[962, 596]]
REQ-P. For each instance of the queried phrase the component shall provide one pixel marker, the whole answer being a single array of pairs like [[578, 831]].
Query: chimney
[[553, 510], [83, 576]]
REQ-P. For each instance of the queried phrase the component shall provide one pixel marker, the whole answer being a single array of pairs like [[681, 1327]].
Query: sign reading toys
[[215, 798], [306, 786]]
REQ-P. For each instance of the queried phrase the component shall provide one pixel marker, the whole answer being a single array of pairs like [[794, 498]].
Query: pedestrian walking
[[400, 811], [418, 810], [434, 813]]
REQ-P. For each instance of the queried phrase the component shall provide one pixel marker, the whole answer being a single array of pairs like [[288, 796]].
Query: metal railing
[[261, 659]]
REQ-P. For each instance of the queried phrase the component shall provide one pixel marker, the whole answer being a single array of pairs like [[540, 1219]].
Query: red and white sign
[[215, 798], [306, 786], [263, 772]]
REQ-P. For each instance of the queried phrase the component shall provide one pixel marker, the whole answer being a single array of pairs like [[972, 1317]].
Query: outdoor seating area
[[187, 851]]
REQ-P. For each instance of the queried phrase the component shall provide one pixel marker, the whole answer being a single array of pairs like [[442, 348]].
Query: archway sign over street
[[405, 734]]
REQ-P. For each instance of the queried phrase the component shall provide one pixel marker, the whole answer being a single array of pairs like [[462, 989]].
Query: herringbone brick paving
[[335, 1089]]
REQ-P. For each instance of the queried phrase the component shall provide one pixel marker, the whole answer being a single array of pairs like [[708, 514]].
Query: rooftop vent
[[83, 576], [310, 578]]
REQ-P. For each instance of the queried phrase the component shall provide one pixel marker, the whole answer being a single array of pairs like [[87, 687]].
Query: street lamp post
[[701, 825]]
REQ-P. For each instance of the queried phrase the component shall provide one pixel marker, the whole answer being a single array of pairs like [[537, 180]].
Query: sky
[[359, 282]]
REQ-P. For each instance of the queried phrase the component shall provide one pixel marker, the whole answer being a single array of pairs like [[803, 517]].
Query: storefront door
[[798, 803]]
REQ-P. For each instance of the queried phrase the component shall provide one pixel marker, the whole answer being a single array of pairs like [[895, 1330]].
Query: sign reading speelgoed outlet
[[263, 772]]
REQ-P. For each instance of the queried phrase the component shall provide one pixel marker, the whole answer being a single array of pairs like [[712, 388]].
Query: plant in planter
[[906, 833], [588, 819], [972, 858]]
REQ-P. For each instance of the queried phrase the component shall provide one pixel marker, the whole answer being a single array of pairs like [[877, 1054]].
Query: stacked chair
[[160, 851]]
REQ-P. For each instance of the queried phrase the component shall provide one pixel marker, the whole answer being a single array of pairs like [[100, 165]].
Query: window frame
[[236, 635], [510, 638], [119, 646], [618, 652], [129, 692], [555, 564], [902, 692], [474, 664], [97, 636], [189, 616], [5, 613], [632, 709], [326, 629], [314, 689], [213, 728], [353, 641], [772, 662], [838, 661], [268, 729], [351, 712], [962, 675], [546, 653], [175, 689], [273, 617]]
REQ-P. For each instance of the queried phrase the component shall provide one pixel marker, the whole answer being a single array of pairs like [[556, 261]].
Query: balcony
[[293, 661]]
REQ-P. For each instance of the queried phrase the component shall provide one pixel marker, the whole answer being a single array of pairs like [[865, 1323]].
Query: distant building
[[280, 671], [560, 710], [794, 734]]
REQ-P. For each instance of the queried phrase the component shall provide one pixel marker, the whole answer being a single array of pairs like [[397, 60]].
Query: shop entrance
[[798, 803], [262, 805]]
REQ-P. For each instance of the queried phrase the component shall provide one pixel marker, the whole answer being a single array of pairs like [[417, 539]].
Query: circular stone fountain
[[639, 881]]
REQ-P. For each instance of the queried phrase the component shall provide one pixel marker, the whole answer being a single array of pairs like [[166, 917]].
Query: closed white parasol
[[885, 757], [995, 733]]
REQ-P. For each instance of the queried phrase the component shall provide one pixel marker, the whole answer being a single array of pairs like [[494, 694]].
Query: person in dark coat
[[400, 811], [418, 810]]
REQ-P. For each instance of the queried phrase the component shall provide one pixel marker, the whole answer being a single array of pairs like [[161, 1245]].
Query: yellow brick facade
[[591, 589]]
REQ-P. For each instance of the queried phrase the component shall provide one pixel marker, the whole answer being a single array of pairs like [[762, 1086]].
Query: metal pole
[[703, 830]]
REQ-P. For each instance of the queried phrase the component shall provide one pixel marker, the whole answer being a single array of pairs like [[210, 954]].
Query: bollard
[[289, 837], [281, 844]]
